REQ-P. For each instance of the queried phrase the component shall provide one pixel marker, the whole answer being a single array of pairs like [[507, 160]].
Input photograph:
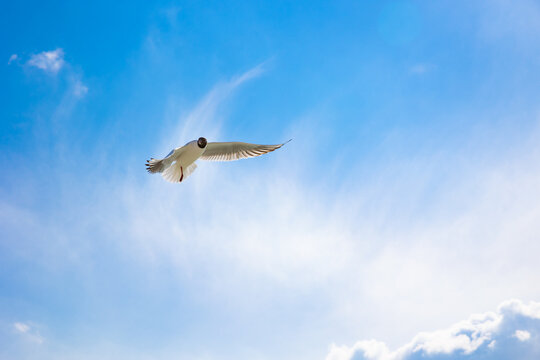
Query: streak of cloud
[[12, 58], [203, 119]]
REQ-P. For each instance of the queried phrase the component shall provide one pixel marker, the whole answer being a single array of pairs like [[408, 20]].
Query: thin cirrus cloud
[[295, 238], [513, 331], [202, 119], [249, 238], [346, 250]]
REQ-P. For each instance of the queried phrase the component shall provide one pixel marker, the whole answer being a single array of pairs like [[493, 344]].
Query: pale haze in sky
[[402, 222]]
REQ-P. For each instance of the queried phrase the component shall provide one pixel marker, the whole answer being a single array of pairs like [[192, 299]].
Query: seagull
[[180, 162]]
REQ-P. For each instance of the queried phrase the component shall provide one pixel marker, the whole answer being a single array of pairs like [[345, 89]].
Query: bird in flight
[[180, 162]]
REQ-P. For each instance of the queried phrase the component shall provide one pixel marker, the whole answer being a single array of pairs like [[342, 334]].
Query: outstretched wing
[[229, 151]]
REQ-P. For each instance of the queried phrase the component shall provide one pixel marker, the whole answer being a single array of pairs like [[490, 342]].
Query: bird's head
[[201, 142]]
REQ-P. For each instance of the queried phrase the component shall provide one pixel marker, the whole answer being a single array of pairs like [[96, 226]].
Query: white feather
[[174, 172], [230, 151]]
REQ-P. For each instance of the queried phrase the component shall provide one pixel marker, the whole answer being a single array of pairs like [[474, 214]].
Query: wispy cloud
[[79, 89], [250, 74], [51, 62], [522, 335], [231, 234], [422, 68], [518, 21], [489, 336], [203, 118], [48, 61], [21, 327], [12, 58], [28, 332]]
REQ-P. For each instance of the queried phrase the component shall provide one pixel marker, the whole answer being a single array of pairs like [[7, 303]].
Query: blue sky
[[406, 202]]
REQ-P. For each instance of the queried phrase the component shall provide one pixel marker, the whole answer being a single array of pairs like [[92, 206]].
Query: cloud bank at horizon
[[512, 332]]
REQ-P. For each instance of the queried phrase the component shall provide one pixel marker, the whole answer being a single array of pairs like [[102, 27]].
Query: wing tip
[[154, 166]]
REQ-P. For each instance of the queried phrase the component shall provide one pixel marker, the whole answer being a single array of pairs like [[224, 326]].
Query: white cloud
[[250, 74], [488, 335], [52, 62], [28, 332], [531, 310], [48, 61], [20, 327], [12, 58], [522, 335]]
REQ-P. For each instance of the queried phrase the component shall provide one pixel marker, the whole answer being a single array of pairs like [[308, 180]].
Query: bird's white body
[[180, 162], [187, 154]]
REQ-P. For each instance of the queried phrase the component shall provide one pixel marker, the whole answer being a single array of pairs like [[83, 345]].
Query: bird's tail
[[154, 166], [176, 173]]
